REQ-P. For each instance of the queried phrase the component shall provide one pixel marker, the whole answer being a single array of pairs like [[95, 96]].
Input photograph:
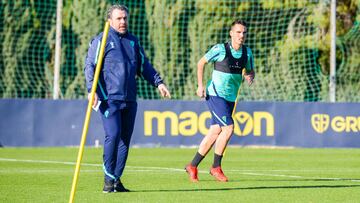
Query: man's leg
[[223, 139], [112, 128], [220, 147], [208, 142], [127, 122], [204, 148]]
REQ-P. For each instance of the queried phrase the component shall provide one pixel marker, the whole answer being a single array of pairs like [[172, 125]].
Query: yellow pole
[[88, 112]]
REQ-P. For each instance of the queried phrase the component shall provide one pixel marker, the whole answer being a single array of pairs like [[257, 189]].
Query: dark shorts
[[221, 110]]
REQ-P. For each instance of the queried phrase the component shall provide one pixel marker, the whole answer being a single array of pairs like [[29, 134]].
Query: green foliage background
[[289, 39]]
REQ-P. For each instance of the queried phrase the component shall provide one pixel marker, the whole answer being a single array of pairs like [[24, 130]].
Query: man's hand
[[164, 91], [201, 91], [95, 99], [249, 76]]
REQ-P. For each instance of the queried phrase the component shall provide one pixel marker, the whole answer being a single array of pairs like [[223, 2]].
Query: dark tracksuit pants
[[118, 120]]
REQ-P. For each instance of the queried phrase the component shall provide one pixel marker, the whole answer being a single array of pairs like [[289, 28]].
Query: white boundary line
[[157, 169]]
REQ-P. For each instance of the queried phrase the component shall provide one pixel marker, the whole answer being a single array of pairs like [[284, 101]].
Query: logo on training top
[[132, 43], [112, 45], [320, 122], [235, 65]]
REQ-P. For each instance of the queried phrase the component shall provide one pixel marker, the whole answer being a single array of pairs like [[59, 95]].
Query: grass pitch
[[157, 175]]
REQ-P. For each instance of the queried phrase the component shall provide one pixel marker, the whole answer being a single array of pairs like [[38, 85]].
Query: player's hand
[[249, 76], [164, 91], [95, 99], [201, 92]]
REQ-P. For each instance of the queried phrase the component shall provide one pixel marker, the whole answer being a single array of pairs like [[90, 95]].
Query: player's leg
[[207, 142], [222, 112], [127, 126], [213, 103], [223, 139], [220, 146], [112, 133], [204, 148], [209, 139]]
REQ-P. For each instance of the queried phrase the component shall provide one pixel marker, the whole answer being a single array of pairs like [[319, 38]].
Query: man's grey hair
[[114, 7]]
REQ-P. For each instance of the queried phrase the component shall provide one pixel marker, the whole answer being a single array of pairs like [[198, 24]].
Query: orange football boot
[[192, 171], [218, 174]]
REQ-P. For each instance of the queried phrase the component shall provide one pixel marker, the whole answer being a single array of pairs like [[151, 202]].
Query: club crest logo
[[112, 45], [132, 43], [320, 122]]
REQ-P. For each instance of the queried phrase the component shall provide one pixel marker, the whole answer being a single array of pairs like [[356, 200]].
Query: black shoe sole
[[121, 190]]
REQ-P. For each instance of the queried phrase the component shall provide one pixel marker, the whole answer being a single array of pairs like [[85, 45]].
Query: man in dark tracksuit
[[124, 58]]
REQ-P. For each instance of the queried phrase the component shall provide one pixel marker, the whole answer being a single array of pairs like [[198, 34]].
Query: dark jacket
[[124, 58]]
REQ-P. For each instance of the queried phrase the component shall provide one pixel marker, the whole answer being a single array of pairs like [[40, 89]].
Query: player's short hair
[[238, 21], [114, 7]]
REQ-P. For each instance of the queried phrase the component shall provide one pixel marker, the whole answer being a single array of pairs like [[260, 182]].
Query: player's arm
[[151, 75], [200, 73], [211, 56], [90, 64]]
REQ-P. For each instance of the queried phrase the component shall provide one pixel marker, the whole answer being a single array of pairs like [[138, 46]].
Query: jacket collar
[[112, 30]]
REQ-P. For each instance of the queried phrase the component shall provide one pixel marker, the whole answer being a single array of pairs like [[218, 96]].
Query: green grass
[[156, 175]]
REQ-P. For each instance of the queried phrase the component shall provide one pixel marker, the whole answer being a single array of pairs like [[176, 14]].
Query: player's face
[[119, 21], [238, 34]]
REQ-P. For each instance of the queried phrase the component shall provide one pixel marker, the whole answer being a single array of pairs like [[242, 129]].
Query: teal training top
[[226, 84]]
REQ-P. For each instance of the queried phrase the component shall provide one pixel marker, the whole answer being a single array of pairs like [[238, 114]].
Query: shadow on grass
[[293, 180], [250, 188]]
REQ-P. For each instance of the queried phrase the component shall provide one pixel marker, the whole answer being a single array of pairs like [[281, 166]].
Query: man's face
[[238, 34], [119, 20]]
